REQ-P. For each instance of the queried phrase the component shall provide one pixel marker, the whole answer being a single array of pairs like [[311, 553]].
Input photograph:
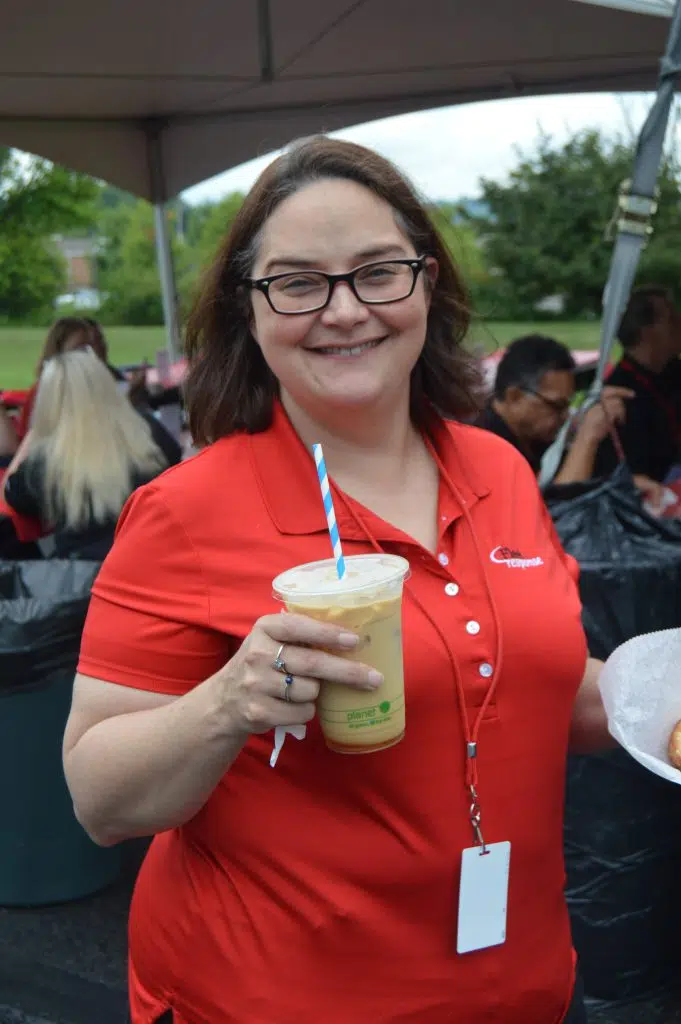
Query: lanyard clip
[[475, 819]]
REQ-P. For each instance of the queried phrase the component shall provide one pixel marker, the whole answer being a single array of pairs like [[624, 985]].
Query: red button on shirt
[[326, 889]]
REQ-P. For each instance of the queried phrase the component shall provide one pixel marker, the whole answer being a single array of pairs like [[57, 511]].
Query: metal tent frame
[[637, 205], [159, 95]]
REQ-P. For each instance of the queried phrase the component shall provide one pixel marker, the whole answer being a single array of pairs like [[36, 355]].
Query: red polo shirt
[[326, 889]]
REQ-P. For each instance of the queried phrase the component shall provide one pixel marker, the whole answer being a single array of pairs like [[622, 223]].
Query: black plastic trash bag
[[622, 824], [45, 856], [630, 562], [42, 611]]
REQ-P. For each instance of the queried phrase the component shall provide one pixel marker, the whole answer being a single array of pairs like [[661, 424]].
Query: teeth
[[333, 350]]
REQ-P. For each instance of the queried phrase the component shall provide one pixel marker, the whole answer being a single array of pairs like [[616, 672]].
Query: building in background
[[80, 257]]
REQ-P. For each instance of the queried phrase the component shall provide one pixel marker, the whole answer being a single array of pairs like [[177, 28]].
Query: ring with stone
[[288, 683], [279, 664]]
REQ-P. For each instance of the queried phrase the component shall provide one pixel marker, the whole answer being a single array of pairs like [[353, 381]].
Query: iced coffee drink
[[367, 601]]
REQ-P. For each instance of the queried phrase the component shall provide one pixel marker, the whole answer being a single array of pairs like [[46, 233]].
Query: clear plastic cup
[[367, 601]]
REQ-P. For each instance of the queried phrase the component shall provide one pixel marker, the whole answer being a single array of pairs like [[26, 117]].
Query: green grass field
[[20, 347]]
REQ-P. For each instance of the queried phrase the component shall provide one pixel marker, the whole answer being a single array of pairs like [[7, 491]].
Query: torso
[[326, 888]]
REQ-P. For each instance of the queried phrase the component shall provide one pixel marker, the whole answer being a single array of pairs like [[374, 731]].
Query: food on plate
[[674, 749]]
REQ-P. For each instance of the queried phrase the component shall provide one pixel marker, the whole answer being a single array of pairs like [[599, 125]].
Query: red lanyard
[[470, 730], [662, 403]]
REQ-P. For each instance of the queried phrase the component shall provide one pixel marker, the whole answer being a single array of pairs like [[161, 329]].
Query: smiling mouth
[[346, 351]]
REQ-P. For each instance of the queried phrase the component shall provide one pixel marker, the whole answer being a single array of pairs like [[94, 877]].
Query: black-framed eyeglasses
[[561, 406], [306, 291]]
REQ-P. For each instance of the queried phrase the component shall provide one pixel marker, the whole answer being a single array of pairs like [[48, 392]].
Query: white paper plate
[[641, 689]]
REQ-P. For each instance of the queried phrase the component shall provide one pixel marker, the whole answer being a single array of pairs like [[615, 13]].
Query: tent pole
[[164, 255], [637, 208]]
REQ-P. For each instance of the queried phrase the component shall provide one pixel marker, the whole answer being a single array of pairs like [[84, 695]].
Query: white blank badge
[[483, 897]]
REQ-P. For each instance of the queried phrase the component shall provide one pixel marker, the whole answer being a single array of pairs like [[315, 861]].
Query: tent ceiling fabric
[[85, 83]]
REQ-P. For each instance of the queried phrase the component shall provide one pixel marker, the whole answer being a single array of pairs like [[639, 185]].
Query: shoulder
[[621, 377], [199, 496]]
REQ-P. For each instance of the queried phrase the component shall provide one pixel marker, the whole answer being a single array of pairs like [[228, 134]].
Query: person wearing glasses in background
[[533, 392], [327, 889]]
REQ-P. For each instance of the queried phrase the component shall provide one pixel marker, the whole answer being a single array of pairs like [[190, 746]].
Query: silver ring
[[279, 664], [288, 683]]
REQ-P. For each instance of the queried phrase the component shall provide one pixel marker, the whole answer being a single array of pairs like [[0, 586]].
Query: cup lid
[[362, 572]]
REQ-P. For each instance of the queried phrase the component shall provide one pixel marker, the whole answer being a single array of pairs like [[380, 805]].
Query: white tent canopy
[[156, 95]]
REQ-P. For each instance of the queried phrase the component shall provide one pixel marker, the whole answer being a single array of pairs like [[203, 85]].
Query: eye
[[380, 271], [296, 284]]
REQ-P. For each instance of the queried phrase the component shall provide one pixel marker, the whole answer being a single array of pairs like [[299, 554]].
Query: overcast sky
[[447, 151]]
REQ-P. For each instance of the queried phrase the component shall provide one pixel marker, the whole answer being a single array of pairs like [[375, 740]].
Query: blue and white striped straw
[[329, 509]]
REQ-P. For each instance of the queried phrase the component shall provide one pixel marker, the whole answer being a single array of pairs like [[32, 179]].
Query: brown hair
[[230, 387], [58, 335]]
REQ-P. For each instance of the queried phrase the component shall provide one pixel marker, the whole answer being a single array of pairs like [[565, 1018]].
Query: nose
[[344, 307]]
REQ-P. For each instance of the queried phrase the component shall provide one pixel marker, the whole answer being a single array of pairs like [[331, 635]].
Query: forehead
[[329, 219], [557, 384]]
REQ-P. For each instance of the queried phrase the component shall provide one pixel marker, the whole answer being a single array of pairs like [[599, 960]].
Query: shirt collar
[[288, 482]]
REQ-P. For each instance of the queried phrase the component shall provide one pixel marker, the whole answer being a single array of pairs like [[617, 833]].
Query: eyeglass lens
[[307, 290]]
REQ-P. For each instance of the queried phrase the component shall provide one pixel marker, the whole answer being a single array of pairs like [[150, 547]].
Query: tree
[[128, 270], [207, 225], [545, 230], [463, 242], [37, 200]]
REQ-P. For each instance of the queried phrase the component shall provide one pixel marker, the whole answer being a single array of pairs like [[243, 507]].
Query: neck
[[357, 443], [646, 356]]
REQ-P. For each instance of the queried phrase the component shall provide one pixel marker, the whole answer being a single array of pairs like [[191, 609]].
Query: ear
[[513, 394], [432, 271]]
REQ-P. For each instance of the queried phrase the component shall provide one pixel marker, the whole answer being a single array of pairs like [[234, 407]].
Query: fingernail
[[375, 678], [348, 639]]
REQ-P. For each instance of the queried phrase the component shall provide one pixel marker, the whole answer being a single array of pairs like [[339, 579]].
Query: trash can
[[45, 855], [622, 824]]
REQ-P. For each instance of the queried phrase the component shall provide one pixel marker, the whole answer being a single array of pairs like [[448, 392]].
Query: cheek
[[408, 318], [275, 333]]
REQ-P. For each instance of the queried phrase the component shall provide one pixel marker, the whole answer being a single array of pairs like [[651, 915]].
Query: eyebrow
[[375, 252]]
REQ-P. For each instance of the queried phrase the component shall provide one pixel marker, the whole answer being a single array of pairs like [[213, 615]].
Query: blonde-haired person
[[86, 452]]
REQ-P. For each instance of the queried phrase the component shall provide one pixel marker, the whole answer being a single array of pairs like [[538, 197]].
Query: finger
[[316, 664], [303, 689], [260, 716], [287, 628]]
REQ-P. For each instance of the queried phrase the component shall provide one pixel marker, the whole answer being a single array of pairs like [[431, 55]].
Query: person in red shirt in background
[[328, 887]]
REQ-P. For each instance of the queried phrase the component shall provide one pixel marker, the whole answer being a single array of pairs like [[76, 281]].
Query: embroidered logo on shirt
[[513, 559]]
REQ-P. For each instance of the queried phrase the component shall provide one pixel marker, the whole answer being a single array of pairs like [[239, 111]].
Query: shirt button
[[473, 627], [452, 589], [442, 558], [485, 670]]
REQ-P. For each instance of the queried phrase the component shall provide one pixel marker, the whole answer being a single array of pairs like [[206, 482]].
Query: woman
[[66, 334], [86, 452], [326, 889]]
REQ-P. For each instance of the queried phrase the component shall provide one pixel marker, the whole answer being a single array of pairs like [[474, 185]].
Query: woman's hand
[[257, 697]]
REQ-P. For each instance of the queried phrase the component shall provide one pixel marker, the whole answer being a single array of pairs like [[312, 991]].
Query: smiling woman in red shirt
[[422, 884]]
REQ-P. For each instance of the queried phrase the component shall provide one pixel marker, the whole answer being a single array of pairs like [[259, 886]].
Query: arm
[[19, 456], [579, 461], [589, 727], [593, 428], [23, 488], [138, 763]]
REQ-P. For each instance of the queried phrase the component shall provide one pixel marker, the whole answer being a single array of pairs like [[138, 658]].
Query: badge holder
[[483, 890]]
